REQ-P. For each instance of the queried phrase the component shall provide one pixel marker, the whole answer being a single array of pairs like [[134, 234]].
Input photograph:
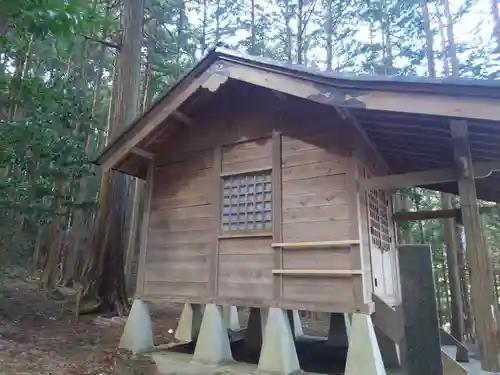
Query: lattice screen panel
[[378, 207], [247, 202]]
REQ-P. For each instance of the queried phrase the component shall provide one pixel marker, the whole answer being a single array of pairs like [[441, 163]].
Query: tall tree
[[103, 273]]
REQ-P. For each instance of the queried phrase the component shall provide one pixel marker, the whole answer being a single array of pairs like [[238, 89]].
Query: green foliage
[[46, 119]]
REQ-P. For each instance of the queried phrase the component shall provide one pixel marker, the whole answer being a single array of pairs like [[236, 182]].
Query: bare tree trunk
[[253, 40], [300, 34], [452, 47], [496, 24], [103, 272], [180, 34], [75, 242], [429, 40], [457, 326], [17, 81], [386, 40], [329, 35], [217, 21], [444, 50], [464, 286], [288, 17], [204, 23]]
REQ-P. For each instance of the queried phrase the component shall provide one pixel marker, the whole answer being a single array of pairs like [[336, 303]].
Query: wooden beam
[[141, 270], [317, 272], [277, 212], [348, 116], [315, 245], [393, 181], [433, 176], [482, 294], [436, 214], [151, 121], [182, 117], [145, 154], [406, 102]]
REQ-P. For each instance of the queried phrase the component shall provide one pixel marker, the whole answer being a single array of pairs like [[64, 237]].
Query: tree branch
[[105, 42]]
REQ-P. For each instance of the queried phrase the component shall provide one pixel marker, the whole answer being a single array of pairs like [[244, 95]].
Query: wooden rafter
[[151, 121], [437, 214], [145, 154]]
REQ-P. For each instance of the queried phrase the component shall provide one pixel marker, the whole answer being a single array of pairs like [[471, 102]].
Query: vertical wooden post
[[213, 285], [141, 270], [457, 326], [134, 226], [277, 214], [483, 306]]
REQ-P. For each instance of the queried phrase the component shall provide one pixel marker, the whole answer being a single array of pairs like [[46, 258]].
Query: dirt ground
[[36, 337]]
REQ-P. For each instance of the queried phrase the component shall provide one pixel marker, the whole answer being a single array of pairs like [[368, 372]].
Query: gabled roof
[[404, 117]]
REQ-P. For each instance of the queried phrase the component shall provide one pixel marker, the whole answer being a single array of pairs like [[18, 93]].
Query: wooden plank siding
[[190, 257], [315, 208], [180, 236]]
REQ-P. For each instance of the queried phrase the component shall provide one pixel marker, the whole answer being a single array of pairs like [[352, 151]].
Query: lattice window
[[378, 201], [247, 202]]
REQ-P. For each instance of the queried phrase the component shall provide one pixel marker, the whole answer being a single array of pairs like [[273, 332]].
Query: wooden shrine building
[[271, 185]]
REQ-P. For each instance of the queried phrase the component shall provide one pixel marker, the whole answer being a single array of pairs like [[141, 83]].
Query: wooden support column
[[457, 327], [482, 295], [141, 270]]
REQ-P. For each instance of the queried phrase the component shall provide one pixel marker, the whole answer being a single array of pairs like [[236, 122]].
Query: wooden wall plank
[[241, 246], [196, 252], [160, 237], [245, 267], [172, 225], [246, 151], [317, 289], [336, 230], [184, 272], [317, 213], [317, 141], [247, 165], [182, 159], [308, 156], [306, 171], [243, 290], [316, 184], [191, 212], [316, 199], [180, 201], [325, 258], [185, 289]]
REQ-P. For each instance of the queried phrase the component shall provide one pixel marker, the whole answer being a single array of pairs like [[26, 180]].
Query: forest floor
[[36, 338]]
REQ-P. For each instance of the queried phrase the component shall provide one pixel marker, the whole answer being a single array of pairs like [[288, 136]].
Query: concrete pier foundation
[[278, 354], [138, 332], [212, 346]]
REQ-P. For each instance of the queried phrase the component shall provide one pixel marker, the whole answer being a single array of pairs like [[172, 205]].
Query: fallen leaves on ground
[[35, 338]]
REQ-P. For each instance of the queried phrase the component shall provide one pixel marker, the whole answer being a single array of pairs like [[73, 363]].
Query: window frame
[[267, 197]]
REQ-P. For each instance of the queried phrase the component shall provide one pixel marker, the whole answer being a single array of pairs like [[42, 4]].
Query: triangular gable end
[[420, 97]]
